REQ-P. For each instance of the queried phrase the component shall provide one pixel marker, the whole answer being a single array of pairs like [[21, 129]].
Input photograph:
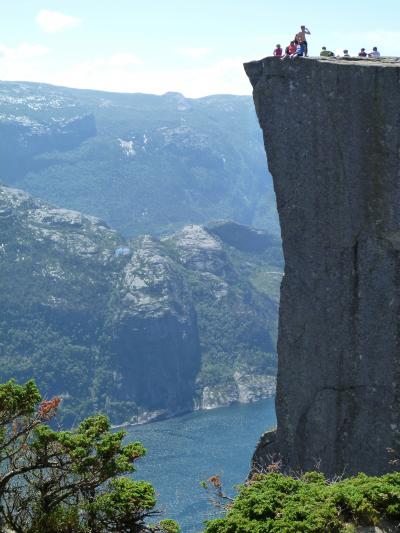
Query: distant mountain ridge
[[140, 328], [143, 163]]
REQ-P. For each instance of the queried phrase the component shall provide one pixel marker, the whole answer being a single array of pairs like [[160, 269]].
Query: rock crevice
[[332, 136]]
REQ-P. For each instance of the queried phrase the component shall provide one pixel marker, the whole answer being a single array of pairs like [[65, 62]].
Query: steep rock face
[[332, 136], [155, 337]]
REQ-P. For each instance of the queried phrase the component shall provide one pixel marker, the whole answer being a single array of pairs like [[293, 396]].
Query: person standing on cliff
[[302, 39]]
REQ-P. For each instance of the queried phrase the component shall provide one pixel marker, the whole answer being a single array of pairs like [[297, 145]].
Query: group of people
[[374, 54], [299, 48]]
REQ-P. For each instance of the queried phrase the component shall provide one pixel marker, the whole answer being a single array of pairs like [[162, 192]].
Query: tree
[[20, 414], [124, 506], [67, 481]]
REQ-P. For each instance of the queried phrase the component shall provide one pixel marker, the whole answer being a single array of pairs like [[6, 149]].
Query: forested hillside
[[140, 328], [143, 163]]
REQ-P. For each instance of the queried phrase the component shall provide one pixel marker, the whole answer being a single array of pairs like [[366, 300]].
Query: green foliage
[[67, 481], [61, 520], [169, 526], [47, 319], [273, 503], [17, 400], [125, 505]]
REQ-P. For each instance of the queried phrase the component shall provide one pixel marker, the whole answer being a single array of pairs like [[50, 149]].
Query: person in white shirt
[[374, 53]]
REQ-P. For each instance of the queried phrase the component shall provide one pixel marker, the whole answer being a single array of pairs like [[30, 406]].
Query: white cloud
[[124, 72], [226, 76], [123, 59], [54, 21], [22, 62], [22, 51], [194, 53]]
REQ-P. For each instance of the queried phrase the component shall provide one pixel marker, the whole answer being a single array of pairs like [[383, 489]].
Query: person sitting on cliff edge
[[300, 37], [289, 50], [300, 51], [362, 53], [326, 53], [374, 54], [278, 51]]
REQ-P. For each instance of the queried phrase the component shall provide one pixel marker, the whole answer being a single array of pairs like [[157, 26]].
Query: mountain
[[140, 328], [143, 163]]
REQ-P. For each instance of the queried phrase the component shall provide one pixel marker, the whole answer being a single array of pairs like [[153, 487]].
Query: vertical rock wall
[[332, 137]]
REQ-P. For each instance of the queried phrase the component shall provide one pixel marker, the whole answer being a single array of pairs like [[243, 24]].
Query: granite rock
[[332, 136]]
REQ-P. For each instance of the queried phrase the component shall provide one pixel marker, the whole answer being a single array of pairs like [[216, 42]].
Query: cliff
[[332, 136]]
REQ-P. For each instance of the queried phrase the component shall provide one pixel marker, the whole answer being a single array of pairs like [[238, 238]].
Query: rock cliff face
[[332, 136], [155, 330]]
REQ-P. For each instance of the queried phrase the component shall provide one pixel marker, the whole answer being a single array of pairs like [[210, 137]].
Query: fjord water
[[181, 452]]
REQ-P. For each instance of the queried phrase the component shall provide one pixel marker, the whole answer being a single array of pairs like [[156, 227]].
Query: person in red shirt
[[292, 47], [290, 50], [278, 51]]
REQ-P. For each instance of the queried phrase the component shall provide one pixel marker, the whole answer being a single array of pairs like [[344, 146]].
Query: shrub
[[67, 481], [275, 503]]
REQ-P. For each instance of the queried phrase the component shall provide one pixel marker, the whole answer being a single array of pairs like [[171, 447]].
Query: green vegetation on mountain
[[68, 481], [137, 329], [274, 503], [143, 163]]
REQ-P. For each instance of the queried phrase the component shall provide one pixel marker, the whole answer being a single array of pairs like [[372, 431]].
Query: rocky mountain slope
[[143, 163], [141, 328], [338, 401]]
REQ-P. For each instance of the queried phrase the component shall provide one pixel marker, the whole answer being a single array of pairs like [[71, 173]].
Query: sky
[[195, 47]]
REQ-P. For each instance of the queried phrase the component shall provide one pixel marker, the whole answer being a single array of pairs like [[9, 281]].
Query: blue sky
[[194, 47]]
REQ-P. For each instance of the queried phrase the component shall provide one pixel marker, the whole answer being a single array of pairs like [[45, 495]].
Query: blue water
[[183, 451]]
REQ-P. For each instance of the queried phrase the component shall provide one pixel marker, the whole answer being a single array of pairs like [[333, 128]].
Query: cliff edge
[[332, 136]]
